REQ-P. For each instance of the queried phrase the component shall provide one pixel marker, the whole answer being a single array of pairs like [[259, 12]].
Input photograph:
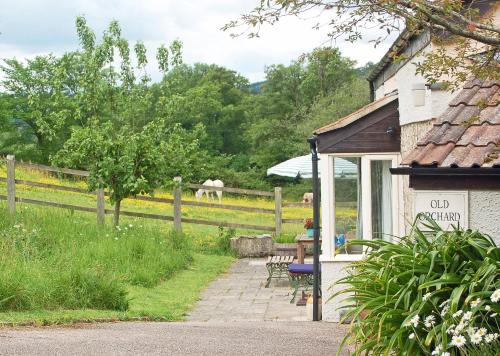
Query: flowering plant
[[433, 292], [308, 223]]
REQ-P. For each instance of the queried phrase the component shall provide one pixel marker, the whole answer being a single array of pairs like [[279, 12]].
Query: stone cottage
[[418, 148]]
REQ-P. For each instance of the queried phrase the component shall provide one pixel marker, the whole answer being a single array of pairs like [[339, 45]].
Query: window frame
[[328, 201]]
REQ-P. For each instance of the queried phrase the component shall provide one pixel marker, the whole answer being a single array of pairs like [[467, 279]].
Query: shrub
[[425, 294]]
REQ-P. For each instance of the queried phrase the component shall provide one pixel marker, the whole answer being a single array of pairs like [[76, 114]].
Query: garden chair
[[277, 267], [300, 276]]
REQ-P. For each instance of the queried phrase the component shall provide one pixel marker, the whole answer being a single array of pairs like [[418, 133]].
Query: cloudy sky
[[36, 27]]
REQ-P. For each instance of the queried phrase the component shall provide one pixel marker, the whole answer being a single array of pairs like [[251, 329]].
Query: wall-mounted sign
[[447, 208]]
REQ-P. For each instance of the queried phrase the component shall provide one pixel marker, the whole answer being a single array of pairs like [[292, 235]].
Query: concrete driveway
[[180, 338]]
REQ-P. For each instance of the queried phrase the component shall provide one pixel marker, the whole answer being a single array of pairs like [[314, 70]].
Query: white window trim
[[328, 201]]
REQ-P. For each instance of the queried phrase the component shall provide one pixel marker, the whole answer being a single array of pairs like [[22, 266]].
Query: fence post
[[177, 203], [277, 209], [100, 206], [11, 183]]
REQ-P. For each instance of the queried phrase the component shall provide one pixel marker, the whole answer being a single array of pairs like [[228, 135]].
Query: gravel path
[[180, 338]]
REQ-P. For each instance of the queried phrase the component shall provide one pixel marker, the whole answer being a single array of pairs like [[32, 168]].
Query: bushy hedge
[[433, 292]]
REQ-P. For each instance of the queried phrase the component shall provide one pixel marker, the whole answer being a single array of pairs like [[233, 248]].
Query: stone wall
[[410, 134], [252, 245]]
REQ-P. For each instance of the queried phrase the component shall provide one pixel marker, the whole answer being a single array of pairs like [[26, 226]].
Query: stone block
[[252, 245]]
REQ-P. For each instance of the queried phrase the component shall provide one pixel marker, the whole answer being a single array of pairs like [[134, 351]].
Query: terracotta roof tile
[[475, 96], [481, 135], [467, 134], [467, 156]]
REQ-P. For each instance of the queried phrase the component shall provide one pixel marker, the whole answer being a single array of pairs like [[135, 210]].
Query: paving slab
[[240, 295]]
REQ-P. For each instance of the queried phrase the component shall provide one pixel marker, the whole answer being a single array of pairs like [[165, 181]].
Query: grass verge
[[168, 301]]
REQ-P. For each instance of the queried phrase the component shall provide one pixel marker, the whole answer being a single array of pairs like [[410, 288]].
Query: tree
[[210, 95], [16, 136], [124, 150], [128, 163], [44, 89], [473, 36], [298, 98]]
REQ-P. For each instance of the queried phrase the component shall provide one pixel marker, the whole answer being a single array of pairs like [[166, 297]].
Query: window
[[347, 187], [363, 203]]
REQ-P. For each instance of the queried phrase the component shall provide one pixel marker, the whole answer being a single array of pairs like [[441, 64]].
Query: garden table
[[302, 240]]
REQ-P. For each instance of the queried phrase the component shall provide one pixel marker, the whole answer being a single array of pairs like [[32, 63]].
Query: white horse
[[210, 192]]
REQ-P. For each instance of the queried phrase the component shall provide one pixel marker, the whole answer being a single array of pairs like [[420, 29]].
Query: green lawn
[[170, 300]]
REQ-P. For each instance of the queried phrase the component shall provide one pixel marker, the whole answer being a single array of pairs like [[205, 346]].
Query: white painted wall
[[404, 81], [484, 212], [330, 273]]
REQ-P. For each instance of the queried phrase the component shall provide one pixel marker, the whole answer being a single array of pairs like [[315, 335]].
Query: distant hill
[[256, 88]]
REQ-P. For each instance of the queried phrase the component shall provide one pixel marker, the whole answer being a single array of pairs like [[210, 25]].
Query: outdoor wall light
[[391, 131]]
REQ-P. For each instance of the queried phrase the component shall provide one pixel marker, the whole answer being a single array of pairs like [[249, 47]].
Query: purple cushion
[[306, 268]]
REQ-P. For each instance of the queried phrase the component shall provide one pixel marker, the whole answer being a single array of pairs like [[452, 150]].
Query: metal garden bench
[[277, 267]]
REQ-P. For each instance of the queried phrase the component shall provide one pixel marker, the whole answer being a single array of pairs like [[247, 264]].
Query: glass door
[[381, 200]]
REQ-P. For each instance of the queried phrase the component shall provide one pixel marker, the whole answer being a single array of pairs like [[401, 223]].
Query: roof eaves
[[358, 114], [397, 46]]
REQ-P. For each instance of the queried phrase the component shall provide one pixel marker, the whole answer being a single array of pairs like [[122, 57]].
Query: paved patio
[[240, 295]]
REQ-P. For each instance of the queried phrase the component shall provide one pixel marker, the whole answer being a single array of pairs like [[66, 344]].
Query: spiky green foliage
[[404, 296]]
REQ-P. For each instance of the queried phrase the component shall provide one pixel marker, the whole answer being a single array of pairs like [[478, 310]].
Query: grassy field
[[168, 301], [57, 266], [204, 236]]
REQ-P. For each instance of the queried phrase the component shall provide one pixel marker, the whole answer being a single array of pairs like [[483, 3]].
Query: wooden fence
[[177, 201]]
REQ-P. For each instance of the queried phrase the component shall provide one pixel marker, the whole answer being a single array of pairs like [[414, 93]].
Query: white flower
[[426, 296], [437, 350], [467, 315], [494, 315], [476, 339], [130, 225], [451, 329], [495, 297], [414, 321], [457, 314], [458, 340], [471, 331], [444, 303], [487, 308], [430, 321], [475, 303], [482, 331], [116, 238], [460, 327], [490, 337], [412, 336], [445, 310], [445, 354], [17, 226]]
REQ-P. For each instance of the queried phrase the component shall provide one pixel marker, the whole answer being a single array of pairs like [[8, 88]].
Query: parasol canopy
[[302, 166]]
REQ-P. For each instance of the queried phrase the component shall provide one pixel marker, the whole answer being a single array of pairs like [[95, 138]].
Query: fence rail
[[41, 167], [177, 202]]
